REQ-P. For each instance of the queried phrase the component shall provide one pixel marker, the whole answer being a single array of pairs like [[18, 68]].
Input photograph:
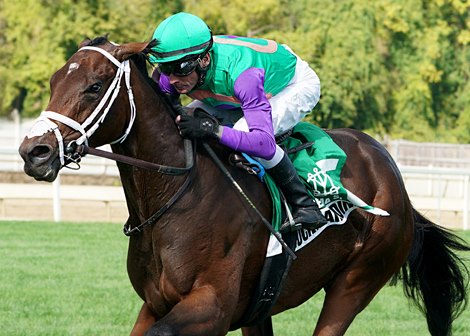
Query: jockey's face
[[184, 84]]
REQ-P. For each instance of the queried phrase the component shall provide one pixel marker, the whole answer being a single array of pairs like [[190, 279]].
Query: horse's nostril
[[39, 153]]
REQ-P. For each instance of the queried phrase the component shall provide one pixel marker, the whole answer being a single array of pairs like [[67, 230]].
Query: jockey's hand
[[197, 127]]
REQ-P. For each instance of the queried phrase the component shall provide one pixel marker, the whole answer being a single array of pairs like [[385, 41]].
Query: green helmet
[[179, 36]]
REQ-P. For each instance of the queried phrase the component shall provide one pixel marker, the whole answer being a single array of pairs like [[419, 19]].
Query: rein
[[129, 231], [167, 170]]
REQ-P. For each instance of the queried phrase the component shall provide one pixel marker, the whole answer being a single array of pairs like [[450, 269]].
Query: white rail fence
[[441, 193]]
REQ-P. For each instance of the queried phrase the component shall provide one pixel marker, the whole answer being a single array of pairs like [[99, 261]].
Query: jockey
[[258, 86]]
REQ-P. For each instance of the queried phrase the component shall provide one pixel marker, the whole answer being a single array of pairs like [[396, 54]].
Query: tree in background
[[427, 42], [389, 67], [37, 37]]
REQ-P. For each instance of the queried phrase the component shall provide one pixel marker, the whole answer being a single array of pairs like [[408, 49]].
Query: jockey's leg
[[305, 211]]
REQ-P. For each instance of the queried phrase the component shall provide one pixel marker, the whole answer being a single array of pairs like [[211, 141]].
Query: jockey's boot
[[305, 211]]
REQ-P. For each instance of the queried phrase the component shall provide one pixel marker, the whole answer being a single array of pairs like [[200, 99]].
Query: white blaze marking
[[73, 67]]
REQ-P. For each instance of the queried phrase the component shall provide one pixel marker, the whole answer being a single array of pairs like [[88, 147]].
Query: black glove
[[198, 127]]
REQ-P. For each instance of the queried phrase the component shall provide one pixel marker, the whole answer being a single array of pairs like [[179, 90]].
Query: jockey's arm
[[259, 140]]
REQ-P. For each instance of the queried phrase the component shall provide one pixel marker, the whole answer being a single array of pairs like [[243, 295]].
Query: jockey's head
[[182, 41]]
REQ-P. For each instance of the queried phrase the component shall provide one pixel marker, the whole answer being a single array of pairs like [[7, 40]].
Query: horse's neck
[[154, 138]]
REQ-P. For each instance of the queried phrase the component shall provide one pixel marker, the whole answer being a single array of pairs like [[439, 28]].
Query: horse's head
[[86, 107]]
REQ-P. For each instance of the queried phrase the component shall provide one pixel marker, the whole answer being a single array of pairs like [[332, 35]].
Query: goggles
[[179, 69]]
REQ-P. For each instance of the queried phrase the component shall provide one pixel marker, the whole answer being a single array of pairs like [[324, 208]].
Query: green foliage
[[39, 36], [395, 67], [351, 70], [429, 55]]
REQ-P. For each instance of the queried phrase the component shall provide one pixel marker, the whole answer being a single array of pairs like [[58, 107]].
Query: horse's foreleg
[[199, 314], [144, 320], [264, 328]]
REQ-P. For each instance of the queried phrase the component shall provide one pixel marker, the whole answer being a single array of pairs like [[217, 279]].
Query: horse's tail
[[434, 276]]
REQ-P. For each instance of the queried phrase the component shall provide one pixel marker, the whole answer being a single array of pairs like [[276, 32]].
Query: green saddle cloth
[[319, 167]]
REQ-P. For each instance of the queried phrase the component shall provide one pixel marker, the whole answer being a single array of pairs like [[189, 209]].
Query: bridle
[[79, 147], [46, 124]]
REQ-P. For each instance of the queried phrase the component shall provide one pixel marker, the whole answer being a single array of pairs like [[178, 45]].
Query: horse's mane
[[98, 41]]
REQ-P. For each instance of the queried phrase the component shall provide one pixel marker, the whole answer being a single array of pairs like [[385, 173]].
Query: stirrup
[[287, 227], [291, 225]]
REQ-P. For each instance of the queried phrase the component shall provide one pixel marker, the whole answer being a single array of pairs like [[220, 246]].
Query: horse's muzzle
[[41, 160]]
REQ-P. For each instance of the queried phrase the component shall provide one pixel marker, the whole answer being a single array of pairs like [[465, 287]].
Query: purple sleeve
[[259, 141], [164, 83]]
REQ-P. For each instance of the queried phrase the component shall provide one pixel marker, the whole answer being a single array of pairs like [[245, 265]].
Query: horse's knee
[[198, 314]]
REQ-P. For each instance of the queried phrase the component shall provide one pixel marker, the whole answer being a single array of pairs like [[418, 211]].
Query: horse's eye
[[95, 88]]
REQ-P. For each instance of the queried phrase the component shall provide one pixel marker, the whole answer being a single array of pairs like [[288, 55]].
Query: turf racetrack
[[71, 279]]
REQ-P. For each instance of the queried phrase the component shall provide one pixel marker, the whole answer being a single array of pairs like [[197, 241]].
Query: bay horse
[[196, 267]]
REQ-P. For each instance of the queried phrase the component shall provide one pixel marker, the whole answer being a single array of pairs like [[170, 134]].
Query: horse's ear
[[125, 51], [84, 43]]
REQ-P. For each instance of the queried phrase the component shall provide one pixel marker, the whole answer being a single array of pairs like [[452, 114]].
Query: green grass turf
[[71, 279]]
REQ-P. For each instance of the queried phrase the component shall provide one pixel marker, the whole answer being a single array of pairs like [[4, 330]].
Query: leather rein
[[167, 170]]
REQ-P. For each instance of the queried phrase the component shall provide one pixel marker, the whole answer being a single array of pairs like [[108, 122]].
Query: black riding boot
[[305, 210]]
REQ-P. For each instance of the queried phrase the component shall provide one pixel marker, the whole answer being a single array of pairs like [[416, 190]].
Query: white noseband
[[45, 124]]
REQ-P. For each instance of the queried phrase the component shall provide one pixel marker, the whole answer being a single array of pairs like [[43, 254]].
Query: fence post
[[465, 201], [56, 199]]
